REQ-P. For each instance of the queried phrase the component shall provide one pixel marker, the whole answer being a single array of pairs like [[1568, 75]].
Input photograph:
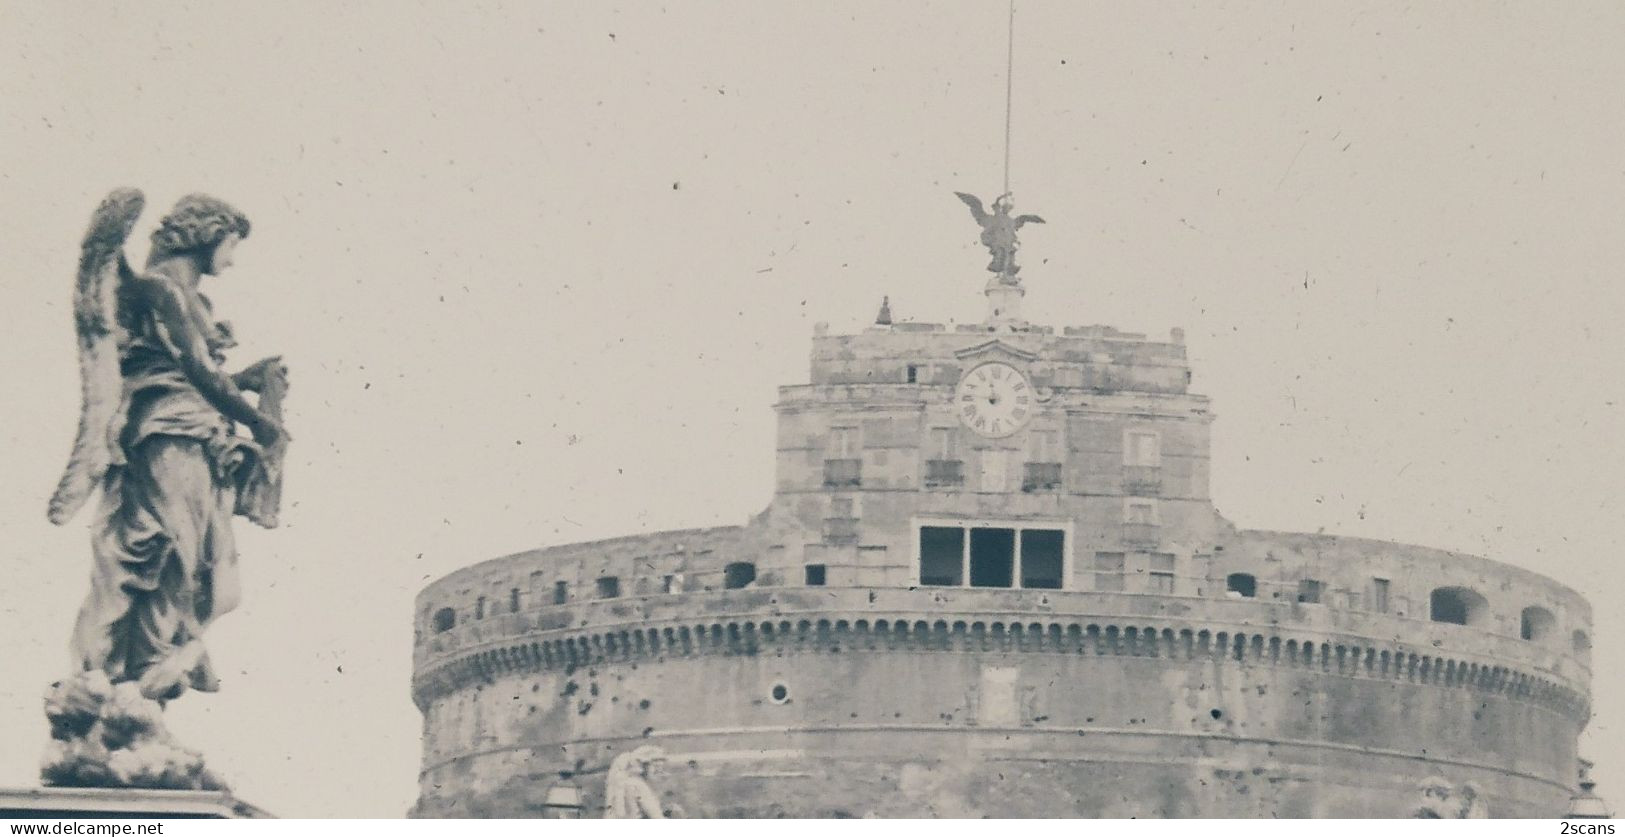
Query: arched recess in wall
[[1536, 623], [1457, 606], [1582, 643], [738, 574], [1242, 584], [444, 620]]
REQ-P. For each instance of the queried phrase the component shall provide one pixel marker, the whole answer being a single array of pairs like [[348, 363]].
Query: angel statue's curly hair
[[196, 224]]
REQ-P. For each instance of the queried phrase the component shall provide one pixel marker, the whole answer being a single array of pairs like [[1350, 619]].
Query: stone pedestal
[[121, 803], [1004, 303]]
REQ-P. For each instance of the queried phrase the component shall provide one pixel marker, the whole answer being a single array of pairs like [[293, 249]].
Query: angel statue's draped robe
[[165, 563]]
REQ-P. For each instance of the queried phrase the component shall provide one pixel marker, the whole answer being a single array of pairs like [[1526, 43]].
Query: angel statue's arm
[[192, 352], [254, 377]]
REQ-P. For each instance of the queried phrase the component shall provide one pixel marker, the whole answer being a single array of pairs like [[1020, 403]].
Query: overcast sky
[[538, 269]]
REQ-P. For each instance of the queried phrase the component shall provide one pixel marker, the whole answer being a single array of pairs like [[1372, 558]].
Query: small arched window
[[1456, 606], [738, 574], [1537, 623], [444, 620], [1582, 642], [1242, 584]]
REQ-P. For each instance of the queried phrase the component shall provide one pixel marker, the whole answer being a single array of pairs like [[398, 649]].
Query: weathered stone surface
[[1179, 668], [106, 735]]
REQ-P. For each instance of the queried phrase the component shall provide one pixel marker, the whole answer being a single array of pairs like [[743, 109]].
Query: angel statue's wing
[[1027, 219], [975, 204], [102, 269]]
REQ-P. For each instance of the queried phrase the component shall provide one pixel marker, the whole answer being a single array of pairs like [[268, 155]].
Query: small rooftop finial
[[884, 317]]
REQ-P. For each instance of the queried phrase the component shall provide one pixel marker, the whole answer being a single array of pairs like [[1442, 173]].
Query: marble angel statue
[[158, 437]]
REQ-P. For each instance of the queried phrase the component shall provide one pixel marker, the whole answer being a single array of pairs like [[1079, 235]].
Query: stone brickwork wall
[[800, 664]]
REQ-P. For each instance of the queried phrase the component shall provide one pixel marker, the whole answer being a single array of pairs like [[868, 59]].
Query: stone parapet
[[1103, 624]]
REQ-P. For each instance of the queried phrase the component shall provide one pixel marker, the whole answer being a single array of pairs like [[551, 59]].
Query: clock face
[[994, 399]]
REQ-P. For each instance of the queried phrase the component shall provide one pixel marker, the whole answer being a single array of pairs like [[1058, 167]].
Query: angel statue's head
[[204, 228]]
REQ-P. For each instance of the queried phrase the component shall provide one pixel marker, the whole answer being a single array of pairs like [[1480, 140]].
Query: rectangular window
[[843, 443], [672, 583], [1140, 513], [943, 443], [944, 473], [1379, 595], [1142, 448], [814, 575], [942, 556], [513, 600], [992, 557], [561, 592], [840, 531], [843, 473], [1310, 590], [1109, 572], [1041, 558], [1161, 572], [913, 374], [1041, 476], [609, 587]]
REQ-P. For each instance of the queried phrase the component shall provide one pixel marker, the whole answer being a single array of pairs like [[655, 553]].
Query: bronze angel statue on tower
[[999, 233], [158, 436]]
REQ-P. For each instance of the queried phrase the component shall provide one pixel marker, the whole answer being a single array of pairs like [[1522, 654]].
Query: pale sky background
[[538, 269]]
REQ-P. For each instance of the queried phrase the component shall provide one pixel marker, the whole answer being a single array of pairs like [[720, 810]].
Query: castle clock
[[994, 399]]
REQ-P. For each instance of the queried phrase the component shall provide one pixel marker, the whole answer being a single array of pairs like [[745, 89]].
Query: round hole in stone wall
[[780, 693], [1217, 714]]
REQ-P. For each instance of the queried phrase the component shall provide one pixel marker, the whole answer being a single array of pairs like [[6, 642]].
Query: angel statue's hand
[[256, 377], [268, 431]]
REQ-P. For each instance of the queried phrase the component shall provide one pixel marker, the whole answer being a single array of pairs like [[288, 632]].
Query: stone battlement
[[998, 539], [1087, 357], [667, 574]]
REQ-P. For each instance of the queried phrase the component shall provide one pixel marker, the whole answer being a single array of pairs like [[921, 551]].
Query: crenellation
[[918, 581]]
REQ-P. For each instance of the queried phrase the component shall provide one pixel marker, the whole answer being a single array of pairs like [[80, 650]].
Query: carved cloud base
[[111, 736]]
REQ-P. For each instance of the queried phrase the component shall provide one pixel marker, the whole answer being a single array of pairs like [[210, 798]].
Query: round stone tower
[[991, 583]]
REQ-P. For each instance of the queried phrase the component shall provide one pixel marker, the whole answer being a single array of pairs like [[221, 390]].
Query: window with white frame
[[979, 555]]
